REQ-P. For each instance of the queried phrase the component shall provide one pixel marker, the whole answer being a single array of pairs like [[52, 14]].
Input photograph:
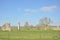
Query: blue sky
[[32, 11]]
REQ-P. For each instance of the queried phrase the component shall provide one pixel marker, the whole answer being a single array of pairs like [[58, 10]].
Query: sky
[[14, 11]]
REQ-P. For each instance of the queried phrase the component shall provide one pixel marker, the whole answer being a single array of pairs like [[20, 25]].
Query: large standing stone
[[6, 27]]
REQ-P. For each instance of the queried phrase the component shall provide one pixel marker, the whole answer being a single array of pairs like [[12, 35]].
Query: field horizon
[[29, 35]]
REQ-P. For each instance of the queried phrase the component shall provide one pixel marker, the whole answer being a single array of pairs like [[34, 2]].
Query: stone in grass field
[[6, 27]]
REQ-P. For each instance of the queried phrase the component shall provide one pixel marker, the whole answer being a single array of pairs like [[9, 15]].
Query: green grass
[[29, 35]]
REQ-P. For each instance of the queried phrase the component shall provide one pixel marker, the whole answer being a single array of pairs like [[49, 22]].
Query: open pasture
[[29, 35]]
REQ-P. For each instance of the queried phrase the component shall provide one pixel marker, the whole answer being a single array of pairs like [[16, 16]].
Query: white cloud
[[41, 9], [48, 8], [31, 10]]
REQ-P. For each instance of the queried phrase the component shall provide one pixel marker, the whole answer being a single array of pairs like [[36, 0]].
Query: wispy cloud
[[41, 9], [30, 10], [48, 8]]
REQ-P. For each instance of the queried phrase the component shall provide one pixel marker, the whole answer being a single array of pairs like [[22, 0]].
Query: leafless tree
[[45, 22], [26, 25]]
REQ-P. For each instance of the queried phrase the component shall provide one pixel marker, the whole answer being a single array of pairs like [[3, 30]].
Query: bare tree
[[26, 25], [45, 22], [31, 25]]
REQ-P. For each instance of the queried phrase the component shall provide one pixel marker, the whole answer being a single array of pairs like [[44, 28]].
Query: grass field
[[29, 35]]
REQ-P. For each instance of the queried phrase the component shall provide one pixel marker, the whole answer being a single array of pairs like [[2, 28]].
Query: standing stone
[[6, 27], [18, 25]]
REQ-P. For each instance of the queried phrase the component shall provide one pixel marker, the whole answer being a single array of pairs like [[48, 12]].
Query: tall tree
[[26, 25], [45, 21]]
